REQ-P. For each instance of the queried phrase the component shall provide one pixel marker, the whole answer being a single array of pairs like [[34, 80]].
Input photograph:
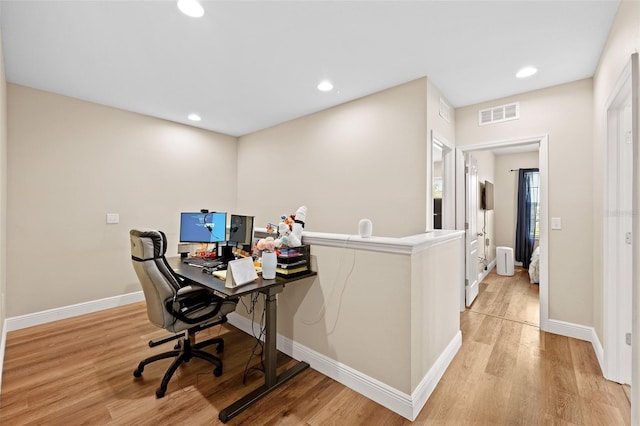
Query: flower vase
[[269, 261]]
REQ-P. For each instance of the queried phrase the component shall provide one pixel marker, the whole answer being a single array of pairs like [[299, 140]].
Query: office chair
[[175, 305]]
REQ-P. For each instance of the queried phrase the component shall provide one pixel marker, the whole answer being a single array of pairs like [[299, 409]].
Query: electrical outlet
[[113, 218]]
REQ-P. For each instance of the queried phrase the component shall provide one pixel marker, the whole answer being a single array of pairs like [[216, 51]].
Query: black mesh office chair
[[174, 305]]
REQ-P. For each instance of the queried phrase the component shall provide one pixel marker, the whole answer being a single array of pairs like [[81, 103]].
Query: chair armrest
[[187, 289], [189, 300]]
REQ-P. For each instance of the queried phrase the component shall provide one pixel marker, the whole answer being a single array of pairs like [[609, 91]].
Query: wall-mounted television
[[487, 196]]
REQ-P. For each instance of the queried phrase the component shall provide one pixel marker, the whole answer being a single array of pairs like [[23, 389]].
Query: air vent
[[445, 110], [499, 114]]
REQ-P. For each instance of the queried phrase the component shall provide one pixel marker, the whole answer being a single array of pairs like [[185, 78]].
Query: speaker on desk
[[365, 228]]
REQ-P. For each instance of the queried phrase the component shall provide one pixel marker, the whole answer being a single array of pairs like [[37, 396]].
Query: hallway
[[508, 372]]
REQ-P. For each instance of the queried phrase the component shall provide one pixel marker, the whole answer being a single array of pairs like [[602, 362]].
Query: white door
[[471, 220]]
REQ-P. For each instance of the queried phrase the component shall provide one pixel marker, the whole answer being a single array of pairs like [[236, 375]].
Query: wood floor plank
[[507, 372]]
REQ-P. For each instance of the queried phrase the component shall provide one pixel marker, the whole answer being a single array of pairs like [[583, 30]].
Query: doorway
[[462, 224], [441, 191]]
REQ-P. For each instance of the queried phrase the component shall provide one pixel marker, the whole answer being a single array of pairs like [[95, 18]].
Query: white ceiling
[[248, 65]]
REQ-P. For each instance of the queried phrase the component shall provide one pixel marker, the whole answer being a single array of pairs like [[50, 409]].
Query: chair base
[[184, 353]]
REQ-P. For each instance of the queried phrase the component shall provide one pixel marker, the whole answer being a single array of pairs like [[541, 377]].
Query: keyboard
[[202, 263]]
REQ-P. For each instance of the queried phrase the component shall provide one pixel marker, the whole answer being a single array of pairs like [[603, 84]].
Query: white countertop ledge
[[405, 245]]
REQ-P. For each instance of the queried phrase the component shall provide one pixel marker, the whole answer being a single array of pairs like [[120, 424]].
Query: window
[[534, 202], [528, 215]]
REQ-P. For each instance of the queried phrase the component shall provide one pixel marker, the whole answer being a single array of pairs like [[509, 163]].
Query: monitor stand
[[226, 252]]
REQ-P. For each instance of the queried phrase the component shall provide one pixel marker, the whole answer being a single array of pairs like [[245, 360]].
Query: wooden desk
[[270, 288]]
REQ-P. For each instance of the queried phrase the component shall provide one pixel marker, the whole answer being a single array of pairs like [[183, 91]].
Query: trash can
[[504, 260]]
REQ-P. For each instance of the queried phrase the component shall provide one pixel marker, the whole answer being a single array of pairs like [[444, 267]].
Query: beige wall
[[369, 309], [3, 193], [339, 313], [362, 159], [563, 113], [624, 40], [437, 274], [72, 162], [446, 129], [506, 194]]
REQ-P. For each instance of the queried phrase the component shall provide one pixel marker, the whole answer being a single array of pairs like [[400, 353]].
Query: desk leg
[[271, 350], [271, 379]]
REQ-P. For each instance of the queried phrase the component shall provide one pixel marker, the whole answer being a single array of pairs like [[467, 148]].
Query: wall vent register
[[499, 114]]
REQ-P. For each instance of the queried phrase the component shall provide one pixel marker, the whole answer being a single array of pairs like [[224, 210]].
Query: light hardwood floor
[[79, 371]]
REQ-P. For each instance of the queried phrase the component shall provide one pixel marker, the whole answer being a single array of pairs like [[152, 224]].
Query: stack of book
[[293, 261]]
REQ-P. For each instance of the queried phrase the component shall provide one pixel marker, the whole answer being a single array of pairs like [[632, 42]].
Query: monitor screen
[[241, 229], [203, 227]]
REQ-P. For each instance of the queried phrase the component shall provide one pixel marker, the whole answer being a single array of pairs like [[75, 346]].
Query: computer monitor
[[241, 229], [203, 227]]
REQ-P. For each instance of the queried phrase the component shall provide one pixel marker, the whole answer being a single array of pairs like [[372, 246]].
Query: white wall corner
[[428, 384], [599, 350]]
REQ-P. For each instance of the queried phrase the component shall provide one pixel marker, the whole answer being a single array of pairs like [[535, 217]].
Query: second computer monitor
[[241, 229], [203, 227]]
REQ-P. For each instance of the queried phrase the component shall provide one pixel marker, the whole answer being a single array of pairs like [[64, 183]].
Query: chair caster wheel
[[137, 373], [220, 347], [160, 393], [217, 371]]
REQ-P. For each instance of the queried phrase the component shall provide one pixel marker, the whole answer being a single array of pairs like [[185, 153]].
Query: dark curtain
[[524, 239]]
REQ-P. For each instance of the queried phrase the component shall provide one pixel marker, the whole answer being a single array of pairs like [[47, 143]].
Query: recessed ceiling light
[[194, 117], [526, 72], [325, 86], [191, 8]]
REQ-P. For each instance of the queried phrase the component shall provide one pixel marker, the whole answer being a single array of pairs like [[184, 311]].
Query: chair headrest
[[158, 240]]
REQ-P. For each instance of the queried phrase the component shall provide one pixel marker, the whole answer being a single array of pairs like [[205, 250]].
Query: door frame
[[449, 178], [543, 166], [613, 291]]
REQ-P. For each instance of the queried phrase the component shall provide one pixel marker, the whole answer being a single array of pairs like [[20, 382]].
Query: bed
[[534, 267]]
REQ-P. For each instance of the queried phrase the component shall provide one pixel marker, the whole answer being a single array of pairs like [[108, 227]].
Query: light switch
[[556, 223], [113, 218]]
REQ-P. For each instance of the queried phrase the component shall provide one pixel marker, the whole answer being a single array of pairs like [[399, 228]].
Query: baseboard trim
[[484, 273], [43, 317], [3, 344], [568, 329], [430, 381], [408, 406]]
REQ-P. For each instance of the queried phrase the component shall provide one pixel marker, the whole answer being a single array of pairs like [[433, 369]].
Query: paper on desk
[[240, 272], [222, 275]]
